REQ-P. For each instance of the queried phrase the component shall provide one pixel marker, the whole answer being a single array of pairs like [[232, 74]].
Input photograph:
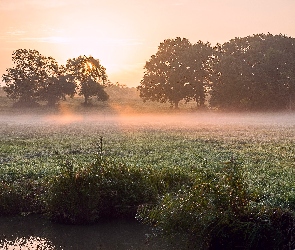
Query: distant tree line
[[251, 73], [36, 78]]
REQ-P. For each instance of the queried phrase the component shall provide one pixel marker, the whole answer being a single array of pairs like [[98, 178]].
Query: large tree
[[56, 88], [34, 78], [255, 73], [177, 71], [23, 81], [199, 59], [90, 76]]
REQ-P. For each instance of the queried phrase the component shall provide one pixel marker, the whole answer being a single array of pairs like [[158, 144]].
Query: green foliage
[[249, 73], [21, 196], [72, 198], [22, 81], [179, 177], [219, 212], [102, 190], [170, 179]]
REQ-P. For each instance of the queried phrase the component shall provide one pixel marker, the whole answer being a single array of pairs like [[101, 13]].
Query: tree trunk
[[86, 98], [176, 104], [51, 103]]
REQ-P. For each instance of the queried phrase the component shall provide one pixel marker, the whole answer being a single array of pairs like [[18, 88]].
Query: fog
[[160, 120]]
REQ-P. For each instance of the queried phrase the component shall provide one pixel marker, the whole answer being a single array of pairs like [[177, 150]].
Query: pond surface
[[35, 232]]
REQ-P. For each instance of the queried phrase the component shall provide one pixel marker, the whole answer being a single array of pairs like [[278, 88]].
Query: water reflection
[[27, 244], [34, 232]]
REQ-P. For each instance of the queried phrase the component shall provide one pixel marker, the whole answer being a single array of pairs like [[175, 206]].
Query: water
[[35, 232]]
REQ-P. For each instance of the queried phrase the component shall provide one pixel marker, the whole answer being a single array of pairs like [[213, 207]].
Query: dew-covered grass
[[166, 153], [266, 152]]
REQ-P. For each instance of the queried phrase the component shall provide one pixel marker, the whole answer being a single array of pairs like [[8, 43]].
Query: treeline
[[36, 78], [251, 73]]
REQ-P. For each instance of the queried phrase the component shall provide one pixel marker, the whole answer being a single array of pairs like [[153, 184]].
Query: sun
[[88, 66]]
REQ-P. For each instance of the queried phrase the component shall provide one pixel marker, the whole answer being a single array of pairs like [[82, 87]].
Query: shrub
[[219, 212], [171, 179], [10, 199], [20, 196], [103, 189]]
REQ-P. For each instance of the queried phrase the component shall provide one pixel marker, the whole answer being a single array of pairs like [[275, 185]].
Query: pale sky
[[124, 34]]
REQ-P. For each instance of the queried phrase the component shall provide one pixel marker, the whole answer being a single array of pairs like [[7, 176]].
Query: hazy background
[[124, 34]]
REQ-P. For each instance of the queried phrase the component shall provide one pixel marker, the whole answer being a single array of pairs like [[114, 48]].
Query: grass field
[[122, 100], [151, 159]]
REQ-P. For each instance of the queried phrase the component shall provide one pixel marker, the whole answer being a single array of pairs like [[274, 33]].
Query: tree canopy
[[56, 88], [36, 78], [250, 73], [255, 73], [90, 76], [179, 70]]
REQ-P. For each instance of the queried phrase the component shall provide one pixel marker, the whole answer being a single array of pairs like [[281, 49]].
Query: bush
[[20, 196], [258, 228], [219, 212], [104, 189], [171, 179]]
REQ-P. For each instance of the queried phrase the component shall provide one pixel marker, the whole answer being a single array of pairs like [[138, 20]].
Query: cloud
[[41, 36], [107, 42], [49, 39], [12, 35], [10, 5], [16, 33], [121, 42]]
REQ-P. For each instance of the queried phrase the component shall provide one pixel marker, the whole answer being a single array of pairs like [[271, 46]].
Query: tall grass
[[214, 187], [220, 212]]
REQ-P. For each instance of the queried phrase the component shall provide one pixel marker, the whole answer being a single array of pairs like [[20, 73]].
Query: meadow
[[213, 180]]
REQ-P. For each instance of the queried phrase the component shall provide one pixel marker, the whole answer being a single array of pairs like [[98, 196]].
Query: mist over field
[[163, 151], [157, 120]]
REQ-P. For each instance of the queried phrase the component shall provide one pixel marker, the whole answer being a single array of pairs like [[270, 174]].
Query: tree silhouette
[[35, 78], [177, 71], [90, 76], [56, 88], [255, 73]]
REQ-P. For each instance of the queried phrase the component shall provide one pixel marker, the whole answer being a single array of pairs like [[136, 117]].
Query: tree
[[199, 59], [23, 80], [255, 73], [56, 88], [90, 76], [178, 71], [35, 78]]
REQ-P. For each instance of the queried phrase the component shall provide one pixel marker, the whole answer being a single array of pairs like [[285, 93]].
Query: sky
[[124, 34]]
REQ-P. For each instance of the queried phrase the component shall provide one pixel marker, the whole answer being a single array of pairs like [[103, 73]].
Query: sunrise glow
[[124, 34], [88, 65]]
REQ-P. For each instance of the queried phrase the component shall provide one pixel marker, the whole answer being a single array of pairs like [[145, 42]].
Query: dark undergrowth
[[207, 208]]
